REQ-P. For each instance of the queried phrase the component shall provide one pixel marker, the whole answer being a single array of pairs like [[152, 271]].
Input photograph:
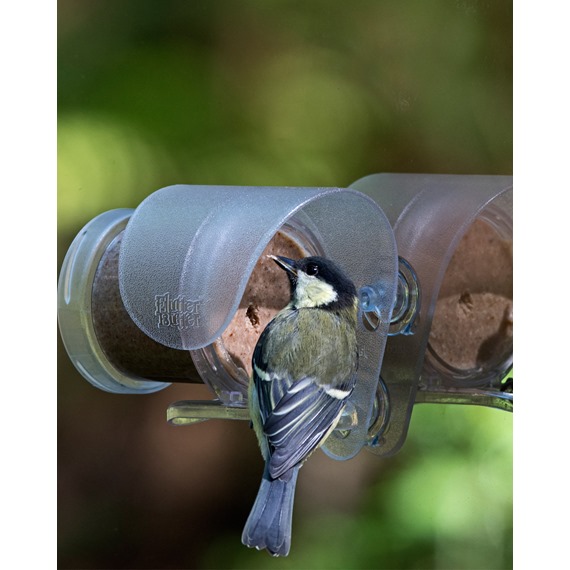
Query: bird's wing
[[302, 418], [298, 410]]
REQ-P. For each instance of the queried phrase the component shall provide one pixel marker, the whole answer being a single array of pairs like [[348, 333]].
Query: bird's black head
[[318, 282]]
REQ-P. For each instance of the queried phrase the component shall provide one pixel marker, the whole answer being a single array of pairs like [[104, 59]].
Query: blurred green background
[[285, 93]]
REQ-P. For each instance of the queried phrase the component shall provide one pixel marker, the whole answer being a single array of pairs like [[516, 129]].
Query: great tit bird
[[304, 370]]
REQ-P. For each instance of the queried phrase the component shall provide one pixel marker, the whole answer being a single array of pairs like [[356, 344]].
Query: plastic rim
[[74, 307]]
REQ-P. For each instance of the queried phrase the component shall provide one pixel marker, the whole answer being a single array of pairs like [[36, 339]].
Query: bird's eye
[[312, 269]]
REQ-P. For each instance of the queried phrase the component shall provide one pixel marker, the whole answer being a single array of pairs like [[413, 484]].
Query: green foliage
[[279, 93], [448, 505]]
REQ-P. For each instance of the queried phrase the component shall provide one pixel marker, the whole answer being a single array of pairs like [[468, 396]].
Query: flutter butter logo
[[176, 312]]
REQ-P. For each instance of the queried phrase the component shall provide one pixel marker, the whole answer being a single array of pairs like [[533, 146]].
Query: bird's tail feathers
[[269, 523]]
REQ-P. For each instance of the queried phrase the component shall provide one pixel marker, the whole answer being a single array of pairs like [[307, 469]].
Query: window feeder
[[179, 289]]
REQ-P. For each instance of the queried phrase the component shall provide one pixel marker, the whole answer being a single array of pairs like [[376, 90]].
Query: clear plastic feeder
[[430, 214], [147, 296], [187, 253]]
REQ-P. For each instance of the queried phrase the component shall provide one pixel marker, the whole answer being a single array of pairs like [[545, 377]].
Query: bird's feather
[[301, 402]]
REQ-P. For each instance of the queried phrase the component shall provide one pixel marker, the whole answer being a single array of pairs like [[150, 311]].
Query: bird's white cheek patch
[[312, 292]]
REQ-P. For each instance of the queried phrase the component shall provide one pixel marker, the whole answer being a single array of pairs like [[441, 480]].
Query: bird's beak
[[290, 265]]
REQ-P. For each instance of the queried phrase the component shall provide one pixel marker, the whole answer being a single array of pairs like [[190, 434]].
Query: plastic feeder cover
[[188, 252], [429, 214]]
